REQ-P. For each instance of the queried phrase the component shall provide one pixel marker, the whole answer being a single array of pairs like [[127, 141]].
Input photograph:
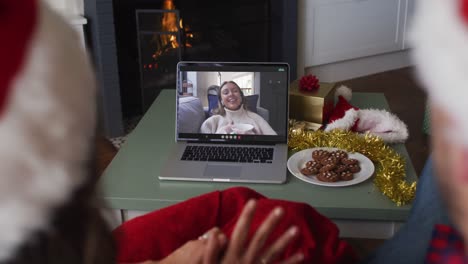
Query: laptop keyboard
[[228, 154]]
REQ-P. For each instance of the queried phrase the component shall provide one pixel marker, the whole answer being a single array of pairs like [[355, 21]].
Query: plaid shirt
[[446, 247]]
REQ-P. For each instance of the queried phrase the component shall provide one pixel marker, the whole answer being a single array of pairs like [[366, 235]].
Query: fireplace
[[135, 52]]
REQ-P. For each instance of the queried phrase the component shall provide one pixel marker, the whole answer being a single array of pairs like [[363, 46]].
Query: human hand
[[190, 252], [243, 129], [238, 252], [193, 251], [227, 129]]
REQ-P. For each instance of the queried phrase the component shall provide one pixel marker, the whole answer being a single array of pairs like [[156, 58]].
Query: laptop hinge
[[234, 143]]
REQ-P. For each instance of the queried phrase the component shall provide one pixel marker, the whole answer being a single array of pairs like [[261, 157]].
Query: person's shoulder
[[254, 115]]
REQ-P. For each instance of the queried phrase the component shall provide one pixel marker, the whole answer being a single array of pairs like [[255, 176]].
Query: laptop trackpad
[[223, 171]]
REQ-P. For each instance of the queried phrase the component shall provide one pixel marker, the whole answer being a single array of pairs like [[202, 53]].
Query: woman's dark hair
[[220, 110], [78, 232]]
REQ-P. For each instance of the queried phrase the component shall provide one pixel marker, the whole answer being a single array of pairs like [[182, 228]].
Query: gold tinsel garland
[[390, 166]]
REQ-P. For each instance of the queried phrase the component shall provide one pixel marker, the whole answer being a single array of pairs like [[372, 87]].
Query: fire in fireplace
[[170, 22], [162, 39]]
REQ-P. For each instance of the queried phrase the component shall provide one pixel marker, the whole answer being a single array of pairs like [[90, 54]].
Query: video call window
[[232, 105]]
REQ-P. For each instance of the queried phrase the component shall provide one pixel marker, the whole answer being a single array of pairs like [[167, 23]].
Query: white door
[[338, 30]]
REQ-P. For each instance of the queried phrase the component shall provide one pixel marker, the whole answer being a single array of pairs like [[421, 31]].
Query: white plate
[[297, 161]]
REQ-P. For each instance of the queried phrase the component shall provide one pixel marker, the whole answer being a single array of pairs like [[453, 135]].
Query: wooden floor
[[406, 100]]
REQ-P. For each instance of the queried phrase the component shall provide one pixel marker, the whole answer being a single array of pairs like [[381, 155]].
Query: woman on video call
[[232, 115]]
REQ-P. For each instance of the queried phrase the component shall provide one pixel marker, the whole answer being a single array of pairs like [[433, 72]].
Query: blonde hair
[[220, 110]]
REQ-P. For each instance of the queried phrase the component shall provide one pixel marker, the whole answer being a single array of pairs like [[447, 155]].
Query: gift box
[[314, 107]]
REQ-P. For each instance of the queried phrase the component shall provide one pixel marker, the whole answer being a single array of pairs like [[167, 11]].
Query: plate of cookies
[[331, 167]]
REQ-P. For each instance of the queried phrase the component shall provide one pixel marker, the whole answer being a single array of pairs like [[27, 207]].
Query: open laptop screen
[[232, 102]]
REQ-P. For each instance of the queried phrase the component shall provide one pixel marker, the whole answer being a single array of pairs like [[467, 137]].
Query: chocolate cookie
[[313, 164], [349, 161], [354, 168], [328, 176], [339, 154], [329, 160], [315, 170], [328, 167], [307, 171], [346, 176], [340, 168], [320, 154]]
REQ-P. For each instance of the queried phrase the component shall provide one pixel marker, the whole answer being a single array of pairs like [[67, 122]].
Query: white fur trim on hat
[[344, 91], [346, 122], [382, 124], [439, 36], [45, 131]]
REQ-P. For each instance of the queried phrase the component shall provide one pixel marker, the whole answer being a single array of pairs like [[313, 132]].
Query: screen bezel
[[221, 138]]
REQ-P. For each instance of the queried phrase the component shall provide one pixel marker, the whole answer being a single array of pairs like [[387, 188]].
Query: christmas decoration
[[390, 166], [313, 107], [380, 123], [309, 83], [47, 93]]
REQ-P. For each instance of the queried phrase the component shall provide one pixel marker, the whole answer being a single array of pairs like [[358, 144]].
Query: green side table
[[131, 186]]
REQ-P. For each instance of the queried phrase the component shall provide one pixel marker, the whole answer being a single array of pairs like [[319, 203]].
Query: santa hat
[[344, 115], [377, 122], [47, 118], [439, 35]]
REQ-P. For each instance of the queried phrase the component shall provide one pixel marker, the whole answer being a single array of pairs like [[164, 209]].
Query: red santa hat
[[344, 115], [439, 35], [377, 122], [47, 118]]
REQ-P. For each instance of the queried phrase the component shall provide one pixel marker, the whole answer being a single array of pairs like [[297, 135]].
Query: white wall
[[345, 39]]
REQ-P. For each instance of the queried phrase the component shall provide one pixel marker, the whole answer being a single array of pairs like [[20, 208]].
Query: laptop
[[231, 123]]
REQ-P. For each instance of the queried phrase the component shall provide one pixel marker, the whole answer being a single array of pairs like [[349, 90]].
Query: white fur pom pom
[[344, 91], [49, 118]]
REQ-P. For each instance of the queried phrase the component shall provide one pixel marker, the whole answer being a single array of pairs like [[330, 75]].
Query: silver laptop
[[231, 123]]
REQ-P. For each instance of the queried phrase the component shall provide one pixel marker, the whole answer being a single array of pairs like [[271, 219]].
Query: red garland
[[309, 83]]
